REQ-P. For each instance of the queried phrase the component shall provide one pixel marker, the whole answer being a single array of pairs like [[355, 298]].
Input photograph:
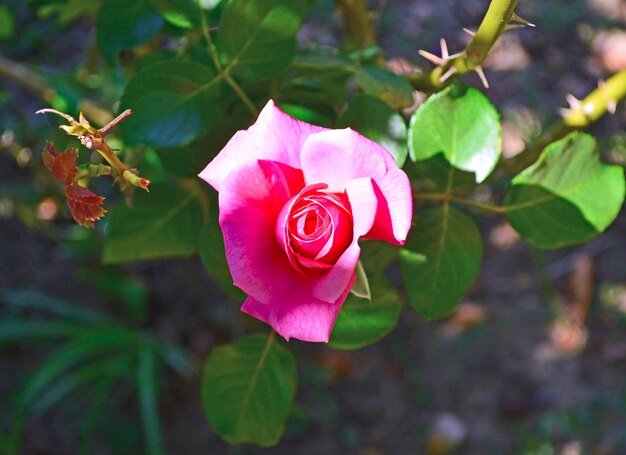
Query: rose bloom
[[294, 200]]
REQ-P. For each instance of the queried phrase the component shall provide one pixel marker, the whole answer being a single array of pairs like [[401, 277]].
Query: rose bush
[[294, 200]]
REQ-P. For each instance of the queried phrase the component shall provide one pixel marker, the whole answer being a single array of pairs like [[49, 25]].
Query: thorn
[[448, 74], [611, 106], [510, 27], [601, 83], [444, 50], [463, 53], [564, 112], [516, 18], [481, 75], [572, 101], [431, 57], [469, 32], [588, 108]]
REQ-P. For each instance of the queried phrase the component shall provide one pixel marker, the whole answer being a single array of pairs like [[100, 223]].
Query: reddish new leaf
[[85, 205], [61, 165]]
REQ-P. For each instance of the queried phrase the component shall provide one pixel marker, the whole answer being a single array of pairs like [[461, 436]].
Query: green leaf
[[213, 255], [362, 322], [19, 330], [173, 102], [460, 123], [318, 59], [378, 122], [28, 298], [69, 10], [58, 365], [305, 114], [116, 31], [90, 374], [188, 160], [377, 256], [441, 259], [385, 85], [121, 286], [324, 92], [146, 382], [438, 170], [7, 23], [248, 388], [361, 286], [181, 13], [257, 39], [177, 358], [568, 196], [164, 223]]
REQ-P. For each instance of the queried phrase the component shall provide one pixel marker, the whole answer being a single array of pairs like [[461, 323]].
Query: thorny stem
[[591, 108], [93, 140], [225, 73], [494, 24]]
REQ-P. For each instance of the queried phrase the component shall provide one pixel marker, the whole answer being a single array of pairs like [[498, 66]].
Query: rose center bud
[[315, 228]]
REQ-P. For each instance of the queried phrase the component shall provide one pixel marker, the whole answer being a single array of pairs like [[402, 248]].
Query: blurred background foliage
[[106, 358]]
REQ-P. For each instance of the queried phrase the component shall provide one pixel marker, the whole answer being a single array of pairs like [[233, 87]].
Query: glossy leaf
[[441, 259], [166, 222], [378, 122], [188, 160], [438, 170], [568, 196], [461, 124], [363, 321], [257, 39], [305, 114], [386, 86], [173, 102], [213, 255], [248, 388], [181, 13], [116, 32]]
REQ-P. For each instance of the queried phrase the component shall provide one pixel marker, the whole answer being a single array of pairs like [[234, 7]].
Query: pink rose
[[294, 200]]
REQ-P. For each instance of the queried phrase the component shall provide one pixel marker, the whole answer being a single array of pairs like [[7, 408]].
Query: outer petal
[[298, 314], [337, 156], [364, 203], [250, 202], [275, 136]]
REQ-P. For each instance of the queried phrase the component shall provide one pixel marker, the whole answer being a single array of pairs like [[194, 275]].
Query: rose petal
[[274, 136], [364, 203], [337, 156], [250, 200], [298, 314]]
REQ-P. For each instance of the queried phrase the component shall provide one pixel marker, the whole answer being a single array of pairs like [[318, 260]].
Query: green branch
[[224, 73], [446, 198]]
